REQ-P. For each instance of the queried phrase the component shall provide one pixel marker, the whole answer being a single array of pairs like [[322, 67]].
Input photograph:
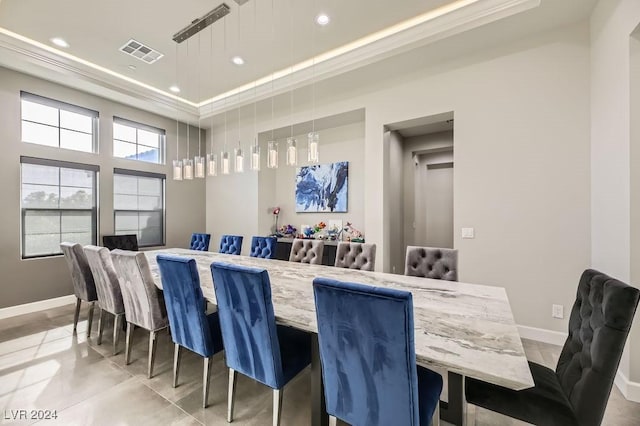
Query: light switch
[[468, 233]]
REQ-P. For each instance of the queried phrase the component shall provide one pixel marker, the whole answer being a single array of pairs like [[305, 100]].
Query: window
[[58, 202], [58, 124], [137, 141], [138, 205]]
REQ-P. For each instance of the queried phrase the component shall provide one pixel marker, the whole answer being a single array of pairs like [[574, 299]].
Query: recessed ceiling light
[[174, 89], [59, 42], [237, 60], [322, 19]]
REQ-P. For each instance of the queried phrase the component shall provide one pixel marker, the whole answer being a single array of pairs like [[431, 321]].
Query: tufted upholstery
[[368, 359], [254, 345], [264, 247], [578, 391], [123, 242], [200, 242], [106, 279], [231, 244], [306, 251], [431, 262], [84, 286], [143, 301], [356, 256]]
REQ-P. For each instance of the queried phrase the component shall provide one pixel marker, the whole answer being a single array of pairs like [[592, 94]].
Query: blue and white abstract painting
[[322, 188]]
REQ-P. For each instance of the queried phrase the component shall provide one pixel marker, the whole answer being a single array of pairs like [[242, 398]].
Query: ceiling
[[274, 37]]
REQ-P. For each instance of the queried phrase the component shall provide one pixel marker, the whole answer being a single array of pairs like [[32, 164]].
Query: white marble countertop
[[463, 328]]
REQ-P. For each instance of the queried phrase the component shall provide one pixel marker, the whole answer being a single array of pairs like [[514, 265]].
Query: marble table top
[[463, 328]]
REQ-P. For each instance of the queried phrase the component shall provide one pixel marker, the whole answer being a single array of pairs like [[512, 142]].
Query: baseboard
[[541, 335], [40, 305], [630, 390]]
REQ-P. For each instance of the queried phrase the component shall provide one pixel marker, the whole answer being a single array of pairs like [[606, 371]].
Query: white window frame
[[139, 126], [24, 210], [62, 106], [162, 210]]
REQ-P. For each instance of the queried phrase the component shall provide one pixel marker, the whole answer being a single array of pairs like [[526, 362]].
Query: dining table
[[463, 329]]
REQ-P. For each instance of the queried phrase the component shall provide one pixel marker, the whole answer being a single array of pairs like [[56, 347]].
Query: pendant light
[[255, 149], [225, 159], [313, 138], [187, 163], [212, 159], [238, 153], [291, 157], [177, 164], [198, 160], [272, 145]]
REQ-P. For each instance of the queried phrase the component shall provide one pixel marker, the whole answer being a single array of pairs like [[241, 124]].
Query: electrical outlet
[[557, 311], [468, 233]]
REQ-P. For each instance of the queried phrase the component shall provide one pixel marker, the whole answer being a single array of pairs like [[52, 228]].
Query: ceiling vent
[[140, 51]]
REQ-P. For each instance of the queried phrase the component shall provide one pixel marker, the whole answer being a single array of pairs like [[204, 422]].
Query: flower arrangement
[[276, 213], [288, 230], [353, 234]]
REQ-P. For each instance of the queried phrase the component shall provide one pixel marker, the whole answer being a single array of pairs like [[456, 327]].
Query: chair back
[[264, 247], [367, 352], [231, 244], [122, 242], [185, 305], [106, 279], [432, 262], [143, 301], [84, 285], [247, 321], [200, 242], [598, 327], [306, 251], [356, 256]]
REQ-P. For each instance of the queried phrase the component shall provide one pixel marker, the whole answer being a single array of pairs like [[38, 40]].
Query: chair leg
[[76, 316], [206, 378], [117, 319], [100, 325], [233, 377], [177, 357], [333, 421], [277, 406], [435, 420], [127, 347], [152, 352], [90, 320]]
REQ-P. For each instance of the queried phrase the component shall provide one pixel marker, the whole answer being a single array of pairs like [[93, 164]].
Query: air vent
[[140, 51]]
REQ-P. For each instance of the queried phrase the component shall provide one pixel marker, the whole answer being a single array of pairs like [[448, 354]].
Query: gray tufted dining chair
[[83, 284], [306, 251], [432, 262], [356, 256], [577, 392], [108, 289], [143, 301]]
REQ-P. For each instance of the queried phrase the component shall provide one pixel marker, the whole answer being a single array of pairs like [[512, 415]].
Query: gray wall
[[26, 281]]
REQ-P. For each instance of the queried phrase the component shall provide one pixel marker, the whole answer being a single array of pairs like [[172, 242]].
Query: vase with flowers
[[276, 213]]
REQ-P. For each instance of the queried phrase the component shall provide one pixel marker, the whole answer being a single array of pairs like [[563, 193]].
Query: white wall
[[31, 280], [614, 247]]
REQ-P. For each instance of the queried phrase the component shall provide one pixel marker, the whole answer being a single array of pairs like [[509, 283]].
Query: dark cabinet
[[283, 248]]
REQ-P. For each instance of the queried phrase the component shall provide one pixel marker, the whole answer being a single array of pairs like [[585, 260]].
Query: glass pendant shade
[[255, 158], [187, 164], [238, 162], [225, 166], [292, 152], [272, 155], [212, 164], [313, 140], [177, 170], [198, 163]]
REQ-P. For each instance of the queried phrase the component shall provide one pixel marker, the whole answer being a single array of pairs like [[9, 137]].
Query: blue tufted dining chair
[[84, 286], [264, 247], [254, 345], [231, 244], [577, 392], [190, 326], [144, 304], [200, 241], [368, 357]]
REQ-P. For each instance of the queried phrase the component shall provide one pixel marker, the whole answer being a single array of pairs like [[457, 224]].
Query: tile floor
[[43, 366]]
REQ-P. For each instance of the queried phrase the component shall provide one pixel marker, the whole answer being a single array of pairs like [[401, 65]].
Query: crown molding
[[42, 61]]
